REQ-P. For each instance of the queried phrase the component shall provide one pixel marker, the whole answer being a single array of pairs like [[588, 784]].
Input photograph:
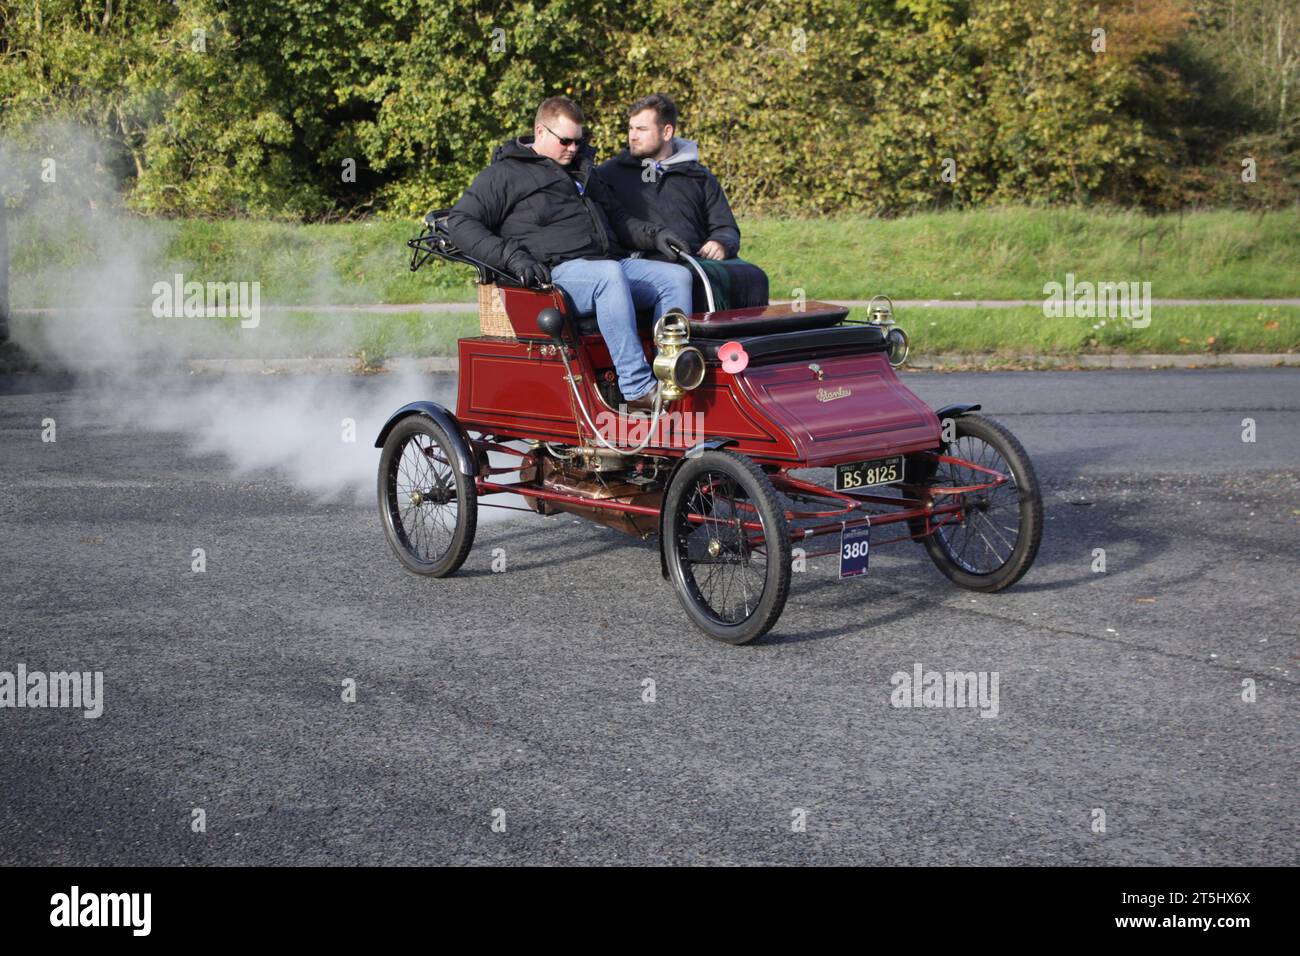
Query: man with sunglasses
[[538, 213]]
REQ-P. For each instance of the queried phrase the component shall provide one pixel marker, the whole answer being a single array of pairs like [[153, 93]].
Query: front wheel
[[428, 508], [993, 541], [727, 545]]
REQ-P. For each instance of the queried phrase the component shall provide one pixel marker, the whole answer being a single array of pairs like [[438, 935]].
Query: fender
[[709, 444], [953, 411], [916, 526], [460, 447]]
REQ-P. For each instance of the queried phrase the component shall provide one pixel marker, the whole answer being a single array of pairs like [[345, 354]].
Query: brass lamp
[[881, 310], [679, 366]]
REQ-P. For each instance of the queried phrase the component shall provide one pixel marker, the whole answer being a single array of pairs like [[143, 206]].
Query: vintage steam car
[[752, 397]]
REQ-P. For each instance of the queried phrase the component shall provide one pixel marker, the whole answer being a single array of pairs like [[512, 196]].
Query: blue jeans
[[614, 289]]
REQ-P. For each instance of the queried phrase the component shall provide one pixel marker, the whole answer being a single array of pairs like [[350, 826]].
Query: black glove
[[536, 274], [669, 245], [529, 270]]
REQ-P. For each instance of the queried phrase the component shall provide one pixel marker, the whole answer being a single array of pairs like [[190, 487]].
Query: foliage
[[309, 109]]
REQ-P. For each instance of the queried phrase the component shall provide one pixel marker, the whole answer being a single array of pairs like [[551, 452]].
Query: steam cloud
[[131, 368]]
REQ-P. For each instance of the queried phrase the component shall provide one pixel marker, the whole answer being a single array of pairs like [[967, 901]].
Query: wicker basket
[[492, 319]]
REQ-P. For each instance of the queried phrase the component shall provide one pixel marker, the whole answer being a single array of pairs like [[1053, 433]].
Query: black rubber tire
[[685, 546], [983, 439], [419, 533]]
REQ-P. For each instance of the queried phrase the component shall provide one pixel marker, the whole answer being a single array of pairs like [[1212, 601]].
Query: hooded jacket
[[525, 205], [680, 194]]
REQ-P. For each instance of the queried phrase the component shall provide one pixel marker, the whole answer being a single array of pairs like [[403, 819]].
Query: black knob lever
[[552, 323]]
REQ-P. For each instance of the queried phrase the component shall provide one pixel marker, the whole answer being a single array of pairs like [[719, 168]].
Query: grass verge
[[1006, 253], [1174, 330], [371, 338]]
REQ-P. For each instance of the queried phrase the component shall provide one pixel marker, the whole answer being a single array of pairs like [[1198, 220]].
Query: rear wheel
[[732, 580], [428, 508], [996, 539]]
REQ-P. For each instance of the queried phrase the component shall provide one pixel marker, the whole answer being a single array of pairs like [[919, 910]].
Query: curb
[[1117, 360], [316, 366], [472, 307], [443, 364], [1022, 303], [467, 308], [941, 362]]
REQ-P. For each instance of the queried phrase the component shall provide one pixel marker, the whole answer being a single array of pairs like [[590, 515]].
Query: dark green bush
[[309, 109]]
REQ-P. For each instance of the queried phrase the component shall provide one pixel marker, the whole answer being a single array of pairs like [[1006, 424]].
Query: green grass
[[1182, 330], [1006, 333], [1174, 330], [997, 253], [348, 264], [1011, 253], [364, 336]]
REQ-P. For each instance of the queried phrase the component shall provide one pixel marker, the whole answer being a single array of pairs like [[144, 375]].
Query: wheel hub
[[434, 496]]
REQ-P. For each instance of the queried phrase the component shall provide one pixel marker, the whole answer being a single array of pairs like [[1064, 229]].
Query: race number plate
[[855, 547], [864, 474]]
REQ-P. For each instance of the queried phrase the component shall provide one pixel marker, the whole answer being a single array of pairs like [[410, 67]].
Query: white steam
[[317, 433], [90, 268]]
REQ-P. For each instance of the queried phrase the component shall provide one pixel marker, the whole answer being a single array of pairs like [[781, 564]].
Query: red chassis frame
[[782, 414]]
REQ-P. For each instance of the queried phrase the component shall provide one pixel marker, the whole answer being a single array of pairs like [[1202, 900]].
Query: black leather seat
[[746, 288], [767, 320], [760, 320], [586, 322], [804, 343]]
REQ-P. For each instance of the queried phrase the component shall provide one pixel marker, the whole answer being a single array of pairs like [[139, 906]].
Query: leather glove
[[669, 245], [529, 270], [536, 274]]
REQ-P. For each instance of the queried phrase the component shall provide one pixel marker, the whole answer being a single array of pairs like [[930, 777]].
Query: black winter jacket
[[683, 196], [526, 203]]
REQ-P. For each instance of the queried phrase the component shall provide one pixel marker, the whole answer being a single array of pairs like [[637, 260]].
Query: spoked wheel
[[428, 508], [997, 538], [727, 545]]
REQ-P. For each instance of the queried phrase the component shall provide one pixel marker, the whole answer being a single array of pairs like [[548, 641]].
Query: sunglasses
[[564, 140]]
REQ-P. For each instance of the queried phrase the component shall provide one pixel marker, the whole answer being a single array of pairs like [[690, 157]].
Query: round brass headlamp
[[680, 367], [688, 368], [898, 346]]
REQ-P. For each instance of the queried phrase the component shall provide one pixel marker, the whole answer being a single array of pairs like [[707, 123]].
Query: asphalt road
[[518, 696]]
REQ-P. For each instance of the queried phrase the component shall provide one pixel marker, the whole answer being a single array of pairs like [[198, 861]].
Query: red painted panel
[[858, 409], [505, 386], [523, 305], [508, 387]]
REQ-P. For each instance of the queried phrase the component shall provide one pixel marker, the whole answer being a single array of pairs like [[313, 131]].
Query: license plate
[[865, 474], [855, 550]]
